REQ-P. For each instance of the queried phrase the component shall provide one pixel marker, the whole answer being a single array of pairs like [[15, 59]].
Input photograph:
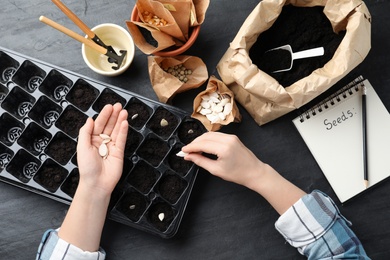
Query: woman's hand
[[238, 164], [100, 174], [235, 162]]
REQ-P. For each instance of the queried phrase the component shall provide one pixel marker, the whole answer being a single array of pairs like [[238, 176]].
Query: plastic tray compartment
[[42, 109]]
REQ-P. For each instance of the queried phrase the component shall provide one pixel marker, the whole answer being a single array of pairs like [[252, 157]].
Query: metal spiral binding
[[332, 99]]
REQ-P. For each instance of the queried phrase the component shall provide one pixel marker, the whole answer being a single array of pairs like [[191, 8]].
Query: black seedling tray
[[42, 109]]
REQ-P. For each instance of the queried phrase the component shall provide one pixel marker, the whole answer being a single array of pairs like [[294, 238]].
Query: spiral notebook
[[333, 132]]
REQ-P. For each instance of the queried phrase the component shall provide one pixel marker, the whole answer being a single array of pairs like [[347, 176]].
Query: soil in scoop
[[303, 28]]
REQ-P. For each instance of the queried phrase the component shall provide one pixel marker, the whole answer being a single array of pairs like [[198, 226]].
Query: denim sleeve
[[315, 226], [53, 247]]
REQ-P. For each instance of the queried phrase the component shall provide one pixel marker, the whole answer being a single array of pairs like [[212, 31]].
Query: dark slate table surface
[[222, 220]]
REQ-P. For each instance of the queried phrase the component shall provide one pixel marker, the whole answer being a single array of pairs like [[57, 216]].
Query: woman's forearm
[[84, 221]]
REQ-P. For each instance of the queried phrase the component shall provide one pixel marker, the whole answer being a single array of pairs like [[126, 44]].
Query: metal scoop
[[298, 55]]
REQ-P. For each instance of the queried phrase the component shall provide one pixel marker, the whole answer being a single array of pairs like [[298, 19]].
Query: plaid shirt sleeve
[[315, 226], [53, 247]]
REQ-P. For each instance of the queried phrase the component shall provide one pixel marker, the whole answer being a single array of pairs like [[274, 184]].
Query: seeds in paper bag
[[215, 106], [179, 71], [152, 19]]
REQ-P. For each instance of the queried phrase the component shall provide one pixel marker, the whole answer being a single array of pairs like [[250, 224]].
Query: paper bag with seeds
[[260, 93], [215, 106], [181, 12], [172, 75]]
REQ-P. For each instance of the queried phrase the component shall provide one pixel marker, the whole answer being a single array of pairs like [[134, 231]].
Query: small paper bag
[[216, 85], [165, 85]]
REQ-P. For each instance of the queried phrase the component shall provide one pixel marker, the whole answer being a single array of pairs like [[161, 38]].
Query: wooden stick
[[74, 18], [72, 34]]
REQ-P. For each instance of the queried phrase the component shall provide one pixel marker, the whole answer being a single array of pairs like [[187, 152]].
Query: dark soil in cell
[[133, 205], [303, 28], [189, 130], [82, 95], [154, 212], [143, 177], [158, 127], [108, 97], [171, 187], [177, 163], [50, 175], [138, 113], [70, 185], [71, 121], [153, 150], [61, 148], [133, 140]]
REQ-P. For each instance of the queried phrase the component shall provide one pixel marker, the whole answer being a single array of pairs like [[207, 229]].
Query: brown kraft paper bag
[[259, 93]]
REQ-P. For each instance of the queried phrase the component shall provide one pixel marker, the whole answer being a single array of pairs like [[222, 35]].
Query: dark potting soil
[[133, 140], [71, 121], [61, 148], [133, 205], [155, 210], [143, 177], [82, 95], [50, 176], [108, 97], [71, 183], [138, 114], [303, 28], [153, 150], [283, 58], [155, 122], [177, 163], [171, 187], [189, 130]]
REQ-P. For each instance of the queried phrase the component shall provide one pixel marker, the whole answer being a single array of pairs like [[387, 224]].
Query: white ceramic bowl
[[115, 36]]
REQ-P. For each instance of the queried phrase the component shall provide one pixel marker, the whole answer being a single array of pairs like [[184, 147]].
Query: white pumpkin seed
[[205, 111], [181, 154], [103, 150], [132, 207], [163, 122], [134, 116], [104, 136], [228, 108], [161, 216]]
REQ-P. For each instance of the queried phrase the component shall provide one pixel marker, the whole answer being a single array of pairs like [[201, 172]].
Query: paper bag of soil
[[264, 97], [172, 75], [217, 87]]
